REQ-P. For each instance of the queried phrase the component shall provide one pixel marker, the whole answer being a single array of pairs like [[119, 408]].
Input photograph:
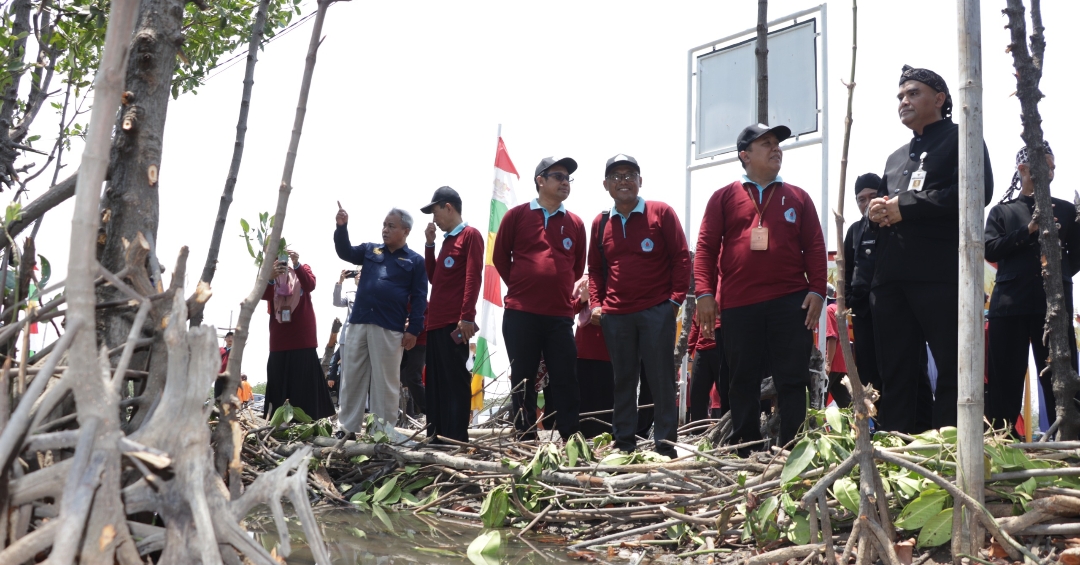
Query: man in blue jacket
[[392, 277]]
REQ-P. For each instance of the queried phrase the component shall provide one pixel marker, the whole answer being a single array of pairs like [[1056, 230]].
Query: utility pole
[[969, 407], [762, 52]]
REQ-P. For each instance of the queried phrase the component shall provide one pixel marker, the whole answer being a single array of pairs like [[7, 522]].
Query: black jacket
[[924, 245], [1018, 287], [860, 245]]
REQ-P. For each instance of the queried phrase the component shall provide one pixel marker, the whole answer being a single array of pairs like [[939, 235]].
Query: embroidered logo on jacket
[[566, 243], [789, 215], [449, 262], [646, 245]]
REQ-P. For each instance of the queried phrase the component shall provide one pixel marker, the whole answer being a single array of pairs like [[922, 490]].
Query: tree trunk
[[130, 206], [1058, 320], [762, 52], [225, 434], [210, 267], [20, 11]]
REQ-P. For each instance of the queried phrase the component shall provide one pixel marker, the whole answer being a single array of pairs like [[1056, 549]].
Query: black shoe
[[670, 453]]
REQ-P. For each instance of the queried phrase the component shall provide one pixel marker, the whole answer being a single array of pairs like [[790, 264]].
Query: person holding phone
[[293, 370], [393, 288], [455, 277]]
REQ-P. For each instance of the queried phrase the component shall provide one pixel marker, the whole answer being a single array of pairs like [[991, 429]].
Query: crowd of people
[[593, 308]]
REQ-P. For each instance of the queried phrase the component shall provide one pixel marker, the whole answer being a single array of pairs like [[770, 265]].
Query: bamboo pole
[[969, 403], [761, 50]]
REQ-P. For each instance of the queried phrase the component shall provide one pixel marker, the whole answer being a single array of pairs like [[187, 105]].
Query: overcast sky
[[407, 97]]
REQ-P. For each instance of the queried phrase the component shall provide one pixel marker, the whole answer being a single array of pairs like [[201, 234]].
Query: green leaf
[[909, 486], [835, 420], [847, 493], [937, 530], [359, 459], [33, 138], [919, 511], [379, 513], [46, 271], [383, 491], [572, 452], [356, 532], [244, 225], [418, 484], [278, 418], [485, 548], [798, 530], [495, 507], [301, 416], [800, 457]]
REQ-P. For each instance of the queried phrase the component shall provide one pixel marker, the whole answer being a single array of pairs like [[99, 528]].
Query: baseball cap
[[621, 159], [444, 194], [751, 133], [548, 162]]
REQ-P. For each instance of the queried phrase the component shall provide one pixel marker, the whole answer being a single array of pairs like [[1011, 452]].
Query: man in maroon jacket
[[455, 285], [764, 236], [639, 271], [540, 252]]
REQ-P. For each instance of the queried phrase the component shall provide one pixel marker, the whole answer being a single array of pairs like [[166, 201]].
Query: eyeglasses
[[619, 178], [559, 177]]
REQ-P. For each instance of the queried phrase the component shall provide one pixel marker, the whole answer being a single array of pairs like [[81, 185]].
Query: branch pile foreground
[[707, 505]]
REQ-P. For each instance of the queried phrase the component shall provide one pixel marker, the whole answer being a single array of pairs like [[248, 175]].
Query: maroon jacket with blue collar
[[648, 262], [795, 260]]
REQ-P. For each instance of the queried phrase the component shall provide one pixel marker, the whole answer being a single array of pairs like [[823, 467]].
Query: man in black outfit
[[1018, 304], [859, 249], [914, 293]]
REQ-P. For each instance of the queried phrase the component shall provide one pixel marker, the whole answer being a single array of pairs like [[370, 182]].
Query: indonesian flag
[[491, 310]]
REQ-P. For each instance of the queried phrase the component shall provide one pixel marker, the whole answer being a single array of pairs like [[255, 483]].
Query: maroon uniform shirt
[[300, 332], [540, 265], [455, 278], [648, 261], [795, 260]]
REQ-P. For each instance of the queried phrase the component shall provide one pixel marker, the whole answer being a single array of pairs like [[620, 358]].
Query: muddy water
[[354, 537]]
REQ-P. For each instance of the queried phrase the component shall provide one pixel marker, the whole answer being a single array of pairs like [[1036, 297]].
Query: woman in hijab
[[293, 371]]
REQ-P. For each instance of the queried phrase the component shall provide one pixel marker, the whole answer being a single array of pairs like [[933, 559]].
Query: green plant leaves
[[921, 510], [384, 491], [495, 507], [937, 529], [798, 530], [484, 549], [800, 457], [835, 419], [846, 492]]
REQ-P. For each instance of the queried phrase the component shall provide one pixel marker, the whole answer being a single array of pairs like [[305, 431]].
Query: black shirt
[[1018, 286], [924, 245], [860, 245]]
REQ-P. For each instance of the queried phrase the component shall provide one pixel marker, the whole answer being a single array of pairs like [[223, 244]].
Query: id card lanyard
[[918, 178], [759, 236]]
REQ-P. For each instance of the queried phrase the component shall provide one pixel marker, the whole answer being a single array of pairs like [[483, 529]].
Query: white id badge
[[918, 178], [759, 239]]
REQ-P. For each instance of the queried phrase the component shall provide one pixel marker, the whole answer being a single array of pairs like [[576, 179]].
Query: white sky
[[407, 97]]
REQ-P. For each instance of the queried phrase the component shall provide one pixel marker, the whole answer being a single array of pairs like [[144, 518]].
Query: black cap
[[549, 162], [620, 159], [443, 195], [751, 133], [869, 180]]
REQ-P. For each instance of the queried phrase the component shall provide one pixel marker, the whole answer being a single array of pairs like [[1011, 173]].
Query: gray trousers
[[370, 369], [636, 341]]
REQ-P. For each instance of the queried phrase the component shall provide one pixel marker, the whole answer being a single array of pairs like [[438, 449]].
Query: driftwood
[[1029, 69]]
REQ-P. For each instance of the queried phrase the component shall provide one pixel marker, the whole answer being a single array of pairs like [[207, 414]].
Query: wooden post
[[762, 52], [972, 178]]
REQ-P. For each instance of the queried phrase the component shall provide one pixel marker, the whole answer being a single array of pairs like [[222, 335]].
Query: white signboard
[[727, 88]]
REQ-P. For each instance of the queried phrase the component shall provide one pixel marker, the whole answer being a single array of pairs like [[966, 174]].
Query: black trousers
[[639, 342], [862, 326], [907, 317], [596, 388], [837, 389], [645, 398], [710, 368], [449, 385], [767, 338], [528, 336], [1008, 363], [412, 378]]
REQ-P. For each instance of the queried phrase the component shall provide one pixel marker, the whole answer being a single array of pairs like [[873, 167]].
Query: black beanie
[[869, 180]]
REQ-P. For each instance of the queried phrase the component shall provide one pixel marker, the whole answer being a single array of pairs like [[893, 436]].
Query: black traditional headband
[[931, 79], [1023, 157]]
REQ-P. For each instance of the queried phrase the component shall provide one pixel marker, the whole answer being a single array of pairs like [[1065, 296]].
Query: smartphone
[[351, 274], [457, 337]]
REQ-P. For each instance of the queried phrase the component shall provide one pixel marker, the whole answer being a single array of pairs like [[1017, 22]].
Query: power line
[[231, 61]]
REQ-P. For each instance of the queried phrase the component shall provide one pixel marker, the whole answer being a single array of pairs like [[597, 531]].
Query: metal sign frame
[[795, 142]]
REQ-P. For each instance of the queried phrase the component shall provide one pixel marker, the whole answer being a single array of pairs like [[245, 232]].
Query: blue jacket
[[388, 283]]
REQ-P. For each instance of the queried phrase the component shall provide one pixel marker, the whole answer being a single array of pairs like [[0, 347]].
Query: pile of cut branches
[[708, 502]]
